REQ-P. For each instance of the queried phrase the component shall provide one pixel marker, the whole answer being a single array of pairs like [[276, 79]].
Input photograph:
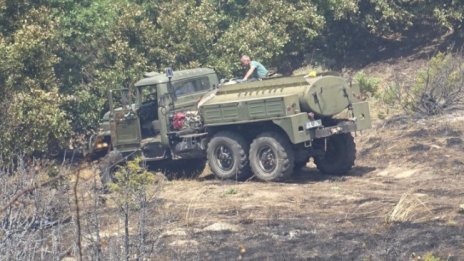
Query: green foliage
[[133, 189], [368, 85], [431, 257], [391, 96], [28, 55], [77, 50], [133, 182], [269, 31], [438, 88], [34, 119], [230, 191]]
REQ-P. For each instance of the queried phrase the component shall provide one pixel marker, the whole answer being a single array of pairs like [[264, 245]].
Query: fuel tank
[[324, 95]]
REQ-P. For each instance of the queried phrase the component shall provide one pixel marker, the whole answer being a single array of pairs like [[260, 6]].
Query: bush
[[33, 123], [132, 192], [79, 49], [440, 87], [368, 85], [437, 89]]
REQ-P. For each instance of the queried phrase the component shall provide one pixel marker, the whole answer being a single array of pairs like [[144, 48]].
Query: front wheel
[[339, 157], [228, 157], [271, 157], [109, 167]]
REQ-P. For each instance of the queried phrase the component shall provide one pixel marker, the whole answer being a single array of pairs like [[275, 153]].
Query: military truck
[[180, 120]]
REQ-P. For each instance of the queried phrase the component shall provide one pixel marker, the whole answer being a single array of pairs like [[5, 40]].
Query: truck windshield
[[191, 86]]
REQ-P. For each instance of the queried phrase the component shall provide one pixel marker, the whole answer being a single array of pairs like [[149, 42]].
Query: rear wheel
[[339, 157], [271, 157], [227, 156]]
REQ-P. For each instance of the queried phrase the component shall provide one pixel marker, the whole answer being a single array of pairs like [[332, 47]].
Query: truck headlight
[[102, 145]]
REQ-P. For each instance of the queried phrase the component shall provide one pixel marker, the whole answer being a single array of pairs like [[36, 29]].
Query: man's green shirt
[[260, 71]]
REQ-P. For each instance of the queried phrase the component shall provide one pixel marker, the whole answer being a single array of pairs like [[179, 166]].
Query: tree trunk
[[126, 230]]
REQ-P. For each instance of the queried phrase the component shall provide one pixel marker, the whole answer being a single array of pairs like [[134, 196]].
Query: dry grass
[[410, 208]]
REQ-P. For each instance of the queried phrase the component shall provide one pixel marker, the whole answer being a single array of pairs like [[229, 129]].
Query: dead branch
[[78, 220], [28, 190]]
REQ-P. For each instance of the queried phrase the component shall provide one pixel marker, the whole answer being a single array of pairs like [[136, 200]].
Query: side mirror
[[169, 72]]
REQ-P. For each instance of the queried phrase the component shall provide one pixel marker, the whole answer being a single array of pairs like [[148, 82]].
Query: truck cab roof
[[154, 78]]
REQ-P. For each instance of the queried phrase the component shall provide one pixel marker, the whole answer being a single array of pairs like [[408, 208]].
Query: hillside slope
[[401, 199]]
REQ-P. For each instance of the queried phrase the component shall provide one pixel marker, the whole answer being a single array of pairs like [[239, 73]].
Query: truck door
[[124, 123]]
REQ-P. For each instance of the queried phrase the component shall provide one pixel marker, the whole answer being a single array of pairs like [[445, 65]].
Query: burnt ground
[[400, 202], [403, 200]]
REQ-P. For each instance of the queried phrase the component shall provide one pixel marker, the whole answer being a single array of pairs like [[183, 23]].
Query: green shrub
[[368, 85], [79, 49], [230, 191], [133, 181], [133, 190], [431, 257], [440, 86], [33, 122], [437, 89]]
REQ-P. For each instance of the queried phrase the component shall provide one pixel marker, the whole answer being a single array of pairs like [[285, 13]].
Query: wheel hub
[[224, 157], [267, 159]]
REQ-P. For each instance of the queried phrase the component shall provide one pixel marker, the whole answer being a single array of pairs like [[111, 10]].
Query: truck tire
[[227, 156], [185, 168], [109, 166], [271, 157], [339, 157]]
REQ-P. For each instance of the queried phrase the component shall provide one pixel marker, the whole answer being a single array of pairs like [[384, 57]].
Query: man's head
[[245, 60]]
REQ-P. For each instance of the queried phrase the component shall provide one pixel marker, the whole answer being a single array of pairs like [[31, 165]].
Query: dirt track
[[401, 200]]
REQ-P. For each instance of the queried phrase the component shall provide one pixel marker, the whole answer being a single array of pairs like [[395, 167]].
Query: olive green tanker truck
[[178, 121]]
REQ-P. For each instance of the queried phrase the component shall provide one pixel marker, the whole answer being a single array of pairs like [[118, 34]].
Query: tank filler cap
[[312, 74]]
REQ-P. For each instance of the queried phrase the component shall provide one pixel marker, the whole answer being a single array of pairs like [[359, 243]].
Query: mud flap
[[361, 115]]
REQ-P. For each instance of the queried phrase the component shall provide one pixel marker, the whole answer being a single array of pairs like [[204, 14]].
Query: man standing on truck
[[256, 71]]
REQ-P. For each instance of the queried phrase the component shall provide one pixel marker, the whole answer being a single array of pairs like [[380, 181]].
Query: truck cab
[[142, 120]]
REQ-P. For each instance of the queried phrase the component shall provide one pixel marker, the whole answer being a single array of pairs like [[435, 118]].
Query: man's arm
[[249, 73]]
